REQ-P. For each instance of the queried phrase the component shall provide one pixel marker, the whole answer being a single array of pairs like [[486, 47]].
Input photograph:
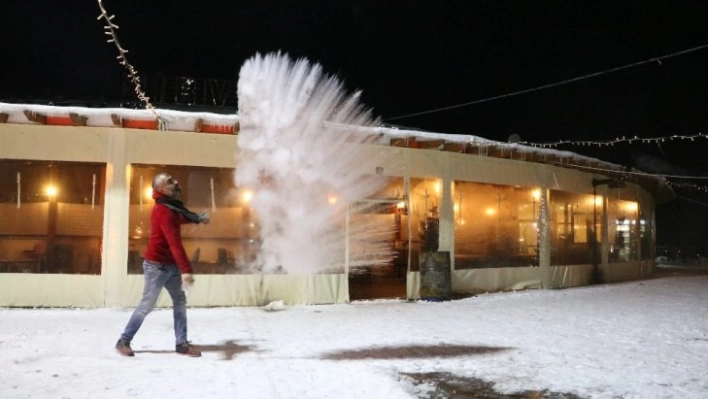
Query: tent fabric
[[118, 148]]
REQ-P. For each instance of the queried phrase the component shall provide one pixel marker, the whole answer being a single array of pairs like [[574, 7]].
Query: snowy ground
[[642, 339]]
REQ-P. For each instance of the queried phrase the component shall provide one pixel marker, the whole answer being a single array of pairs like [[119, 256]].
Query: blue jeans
[[156, 277]]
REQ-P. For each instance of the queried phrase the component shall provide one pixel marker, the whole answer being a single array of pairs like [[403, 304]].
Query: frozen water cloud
[[302, 153]]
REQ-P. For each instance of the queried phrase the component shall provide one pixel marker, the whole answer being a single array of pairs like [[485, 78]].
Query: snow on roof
[[207, 122]]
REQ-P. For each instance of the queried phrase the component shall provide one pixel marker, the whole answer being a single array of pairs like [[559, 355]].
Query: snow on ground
[[640, 339]]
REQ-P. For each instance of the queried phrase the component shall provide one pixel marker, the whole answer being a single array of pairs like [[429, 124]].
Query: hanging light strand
[[110, 29], [618, 140]]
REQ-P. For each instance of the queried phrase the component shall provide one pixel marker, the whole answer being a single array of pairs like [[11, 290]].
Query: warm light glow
[[438, 187], [632, 206], [490, 211], [536, 194], [51, 191], [246, 196], [401, 204], [456, 207], [148, 193], [332, 199]]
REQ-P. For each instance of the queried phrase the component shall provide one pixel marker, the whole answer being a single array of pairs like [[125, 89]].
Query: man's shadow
[[228, 349]]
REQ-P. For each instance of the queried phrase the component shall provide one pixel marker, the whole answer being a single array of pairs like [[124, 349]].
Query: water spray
[[305, 152]]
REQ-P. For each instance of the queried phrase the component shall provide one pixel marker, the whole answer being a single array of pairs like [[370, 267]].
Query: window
[[224, 246], [646, 235], [52, 216], [495, 225], [574, 227], [623, 230]]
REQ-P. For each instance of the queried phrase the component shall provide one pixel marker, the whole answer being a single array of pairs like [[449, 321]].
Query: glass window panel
[[646, 234], [495, 225], [227, 245], [623, 230], [52, 216], [424, 215], [574, 227]]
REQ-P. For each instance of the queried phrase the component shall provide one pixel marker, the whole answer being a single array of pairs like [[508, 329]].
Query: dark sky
[[407, 57]]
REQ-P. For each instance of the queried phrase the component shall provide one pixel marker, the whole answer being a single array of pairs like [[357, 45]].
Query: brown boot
[[187, 349], [124, 349]]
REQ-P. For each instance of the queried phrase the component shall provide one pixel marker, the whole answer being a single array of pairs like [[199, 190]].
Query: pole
[[595, 267], [93, 192], [19, 193], [213, 203]]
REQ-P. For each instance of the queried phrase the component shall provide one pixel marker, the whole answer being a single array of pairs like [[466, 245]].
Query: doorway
[[377, 257]]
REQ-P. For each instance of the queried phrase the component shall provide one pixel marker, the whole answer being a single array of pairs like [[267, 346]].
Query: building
[[506, 216]]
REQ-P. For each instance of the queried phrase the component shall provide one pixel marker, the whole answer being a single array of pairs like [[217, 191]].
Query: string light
[[643, 140], [608, 143], [566, 161], [110, 29], [691, 186]]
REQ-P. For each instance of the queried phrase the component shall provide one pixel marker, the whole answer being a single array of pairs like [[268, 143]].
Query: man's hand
[[204, 218], [187, 281]]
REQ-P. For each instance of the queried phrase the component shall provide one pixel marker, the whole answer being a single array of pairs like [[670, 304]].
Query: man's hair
[[160, 180]]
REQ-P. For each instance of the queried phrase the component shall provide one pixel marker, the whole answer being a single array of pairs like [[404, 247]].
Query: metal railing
[[186, 91]]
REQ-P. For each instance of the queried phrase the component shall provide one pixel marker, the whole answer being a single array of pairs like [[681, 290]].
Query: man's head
[[166, 184]]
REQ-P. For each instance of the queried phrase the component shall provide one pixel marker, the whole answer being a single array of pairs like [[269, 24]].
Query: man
[[166, 264]]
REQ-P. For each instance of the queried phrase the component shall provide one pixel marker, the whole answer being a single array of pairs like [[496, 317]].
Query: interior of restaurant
[[53, 223]]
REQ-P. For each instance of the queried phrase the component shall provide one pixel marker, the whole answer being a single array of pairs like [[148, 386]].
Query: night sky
[[409, 57]]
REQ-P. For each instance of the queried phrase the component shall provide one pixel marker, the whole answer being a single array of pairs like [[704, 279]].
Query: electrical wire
[[546, 86]]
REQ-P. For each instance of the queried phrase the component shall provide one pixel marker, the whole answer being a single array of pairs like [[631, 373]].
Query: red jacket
[[165, 243]]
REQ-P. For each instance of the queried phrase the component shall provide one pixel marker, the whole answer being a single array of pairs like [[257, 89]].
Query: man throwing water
[[166, 264]]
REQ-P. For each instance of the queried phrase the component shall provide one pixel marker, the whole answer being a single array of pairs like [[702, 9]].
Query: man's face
[[171, 188]]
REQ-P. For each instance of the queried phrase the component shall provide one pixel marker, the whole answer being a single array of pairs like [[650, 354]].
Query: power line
[[692, 201], [563, 82]]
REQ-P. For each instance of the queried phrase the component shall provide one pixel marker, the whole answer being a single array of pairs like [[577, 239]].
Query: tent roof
[[206, 122]]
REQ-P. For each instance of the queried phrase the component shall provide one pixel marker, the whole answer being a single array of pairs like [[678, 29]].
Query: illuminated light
[[536, 194], [632, 206], [461, 222], [51, 191], [456, 207], [438, 187], [332, 199], [598, 200], [110, 29], [148, 192], [490, 211], [247, 196], [401, 204]]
